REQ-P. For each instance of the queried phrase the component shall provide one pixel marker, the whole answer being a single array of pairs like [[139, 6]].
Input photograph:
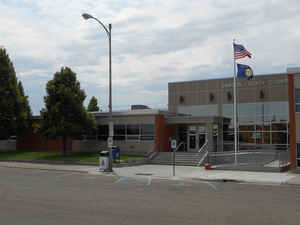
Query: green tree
[[24, 109], [93, 105], [64, 114], [13, 116], [24, 100]]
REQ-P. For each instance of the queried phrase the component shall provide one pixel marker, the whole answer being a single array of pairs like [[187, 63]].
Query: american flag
[[240, 51]]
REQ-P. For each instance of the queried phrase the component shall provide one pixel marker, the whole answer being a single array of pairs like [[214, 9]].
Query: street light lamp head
[[86, 16]]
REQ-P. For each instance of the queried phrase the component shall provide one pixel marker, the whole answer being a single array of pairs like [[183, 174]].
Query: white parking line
[[120, 180], [149, 181], [211, 185]]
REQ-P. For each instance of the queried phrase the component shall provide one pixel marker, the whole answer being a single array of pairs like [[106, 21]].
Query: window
[[298, 155], [102, 132], [128, 132], [297, 99], [119, 132], [147, 132], [133, 132]]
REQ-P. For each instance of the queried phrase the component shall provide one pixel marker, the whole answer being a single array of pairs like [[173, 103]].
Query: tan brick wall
[[138, 148]]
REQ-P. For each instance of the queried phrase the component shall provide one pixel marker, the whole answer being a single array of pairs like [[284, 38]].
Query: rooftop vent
[[135, 107]]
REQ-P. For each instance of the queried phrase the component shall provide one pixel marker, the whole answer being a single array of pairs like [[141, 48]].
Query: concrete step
[[181, 158], [177, 164]]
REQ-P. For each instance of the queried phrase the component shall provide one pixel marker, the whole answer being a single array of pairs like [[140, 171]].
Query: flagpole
[[235, 106]]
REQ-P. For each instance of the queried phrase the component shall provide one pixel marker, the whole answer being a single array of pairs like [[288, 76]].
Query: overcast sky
[[153, 42]]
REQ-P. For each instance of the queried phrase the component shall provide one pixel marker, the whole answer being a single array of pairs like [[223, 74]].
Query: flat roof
[[135, 112], [228, 78]]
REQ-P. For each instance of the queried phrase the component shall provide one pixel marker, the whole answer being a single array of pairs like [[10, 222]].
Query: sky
[[153, 42]]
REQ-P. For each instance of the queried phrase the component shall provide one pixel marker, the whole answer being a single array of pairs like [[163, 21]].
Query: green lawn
[[56, 156]]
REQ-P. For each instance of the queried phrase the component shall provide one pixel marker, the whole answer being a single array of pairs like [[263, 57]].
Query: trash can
[[115, 153], [104, 160]]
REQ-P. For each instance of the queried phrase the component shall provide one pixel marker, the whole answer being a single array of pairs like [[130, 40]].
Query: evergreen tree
[[93, 105], [13, 120], [64, 115], [24, 108], [25, 103]]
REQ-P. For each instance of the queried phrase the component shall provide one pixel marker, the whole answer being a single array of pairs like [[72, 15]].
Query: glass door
[[196, 137], [192, 143], [192, 140], [202, 139]]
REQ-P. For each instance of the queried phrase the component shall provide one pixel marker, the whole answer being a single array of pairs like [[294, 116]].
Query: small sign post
[[111, 129], [109, 142], [109, 146], [173, 146]]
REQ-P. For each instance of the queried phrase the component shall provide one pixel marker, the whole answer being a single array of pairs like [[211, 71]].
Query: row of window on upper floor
[[297, 99], [229, 84], [260, 110]]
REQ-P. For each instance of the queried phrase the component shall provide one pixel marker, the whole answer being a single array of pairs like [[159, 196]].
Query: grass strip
[[56, 156]]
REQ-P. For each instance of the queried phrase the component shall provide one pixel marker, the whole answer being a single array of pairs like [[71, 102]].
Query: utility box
[[115, 153], [104, 160]]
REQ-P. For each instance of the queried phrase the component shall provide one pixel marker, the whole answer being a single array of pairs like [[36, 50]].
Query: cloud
[[153, 42]]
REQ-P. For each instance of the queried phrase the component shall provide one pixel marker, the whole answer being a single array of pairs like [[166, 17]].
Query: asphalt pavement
[[167, 172], [60, 197]]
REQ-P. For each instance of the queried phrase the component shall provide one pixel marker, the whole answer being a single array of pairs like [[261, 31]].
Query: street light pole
[[108, 32], [110, 89]]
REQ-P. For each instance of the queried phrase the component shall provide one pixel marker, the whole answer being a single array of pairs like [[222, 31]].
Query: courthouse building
[[200, 113]]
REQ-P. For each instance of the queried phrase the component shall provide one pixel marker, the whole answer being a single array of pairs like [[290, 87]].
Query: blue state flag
[[244, 71]]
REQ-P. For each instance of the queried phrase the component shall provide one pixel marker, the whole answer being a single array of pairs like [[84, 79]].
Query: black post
[[174, 163]]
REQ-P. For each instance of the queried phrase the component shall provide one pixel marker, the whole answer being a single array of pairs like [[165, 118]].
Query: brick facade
[[163, 133], [33, 141]]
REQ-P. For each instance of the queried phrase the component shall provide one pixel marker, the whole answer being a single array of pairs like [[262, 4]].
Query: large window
[[147, 132], [102, 132], [262, 125], [126, 132], [297, 99], [119, 132], [133, 132]]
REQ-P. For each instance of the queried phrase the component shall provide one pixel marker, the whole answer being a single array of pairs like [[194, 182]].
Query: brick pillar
[[162, 134]]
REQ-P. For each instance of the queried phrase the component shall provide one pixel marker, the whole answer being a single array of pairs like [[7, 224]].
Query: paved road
[[38, 197]]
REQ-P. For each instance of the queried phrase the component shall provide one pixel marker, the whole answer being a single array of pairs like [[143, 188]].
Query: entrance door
[[202, 139], [196, 137], [192, 138], [192, 142]]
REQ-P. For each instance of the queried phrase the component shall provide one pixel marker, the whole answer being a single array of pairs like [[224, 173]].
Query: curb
[[48, 169], [50, 162]]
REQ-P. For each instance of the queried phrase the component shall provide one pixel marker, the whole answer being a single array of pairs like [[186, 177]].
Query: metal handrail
[[153, 152], [201, 160], [174, 157], [201, 150], [181, 143], [203, 146]]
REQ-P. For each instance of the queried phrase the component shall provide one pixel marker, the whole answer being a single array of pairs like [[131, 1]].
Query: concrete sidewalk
[[166, 172], [188, 172]]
